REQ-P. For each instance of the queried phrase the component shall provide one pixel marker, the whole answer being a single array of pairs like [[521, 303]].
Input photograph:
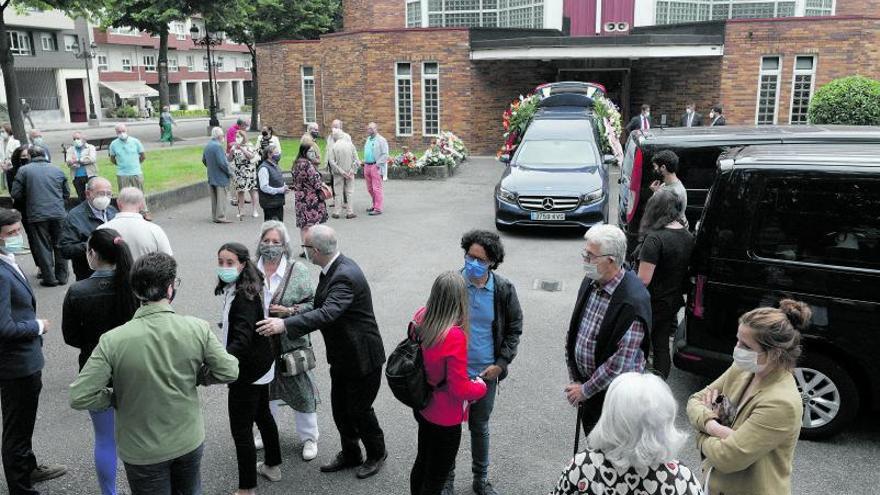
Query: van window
[[824, 221], [697, 166], [628, 157]]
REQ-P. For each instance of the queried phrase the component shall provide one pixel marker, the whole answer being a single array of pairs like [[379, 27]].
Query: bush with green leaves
[[126, 112], [189, 113], [853, 100]]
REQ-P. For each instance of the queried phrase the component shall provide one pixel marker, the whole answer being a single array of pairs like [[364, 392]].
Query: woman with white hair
[[288, 291], [632, 448]]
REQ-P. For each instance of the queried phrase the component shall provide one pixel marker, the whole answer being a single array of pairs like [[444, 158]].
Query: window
[[218, 64], [558, 154], [150, 63], [308, 92], [403, 97], [205, 64], [829, 222], [49, 42], [430, 99], [71, 42], [19, 42], [178, 29], [819, 7], [246, 63], [677, 11], [126, 64], [802, 87], [126, 31], [172, 64], [414, 14], [190, 63], [768, 90], [102, 62], [476, 13]]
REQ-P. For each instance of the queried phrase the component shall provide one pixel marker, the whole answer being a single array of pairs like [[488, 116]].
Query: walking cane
[[577, 428]]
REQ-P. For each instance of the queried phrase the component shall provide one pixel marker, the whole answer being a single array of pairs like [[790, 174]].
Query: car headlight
[[592, 197], [505, 195]]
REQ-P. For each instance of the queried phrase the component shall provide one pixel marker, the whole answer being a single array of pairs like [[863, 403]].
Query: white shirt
[[328, 265], [228, 296], [9, 259], [272, 283], [141, 236]]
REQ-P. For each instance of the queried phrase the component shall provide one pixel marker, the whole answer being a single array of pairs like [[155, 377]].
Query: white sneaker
[[310, 450], [271, 473], [258, 442]]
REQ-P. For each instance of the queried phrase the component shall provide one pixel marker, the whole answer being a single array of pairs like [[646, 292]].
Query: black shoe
[[449, 487], [339, 463], [374, 213], [369, 210], [49, 283], [371, 467], [46, 472], [483, 487]]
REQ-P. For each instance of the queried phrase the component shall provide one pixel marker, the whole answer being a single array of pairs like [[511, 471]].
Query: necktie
[[690, 120], [645, 125]]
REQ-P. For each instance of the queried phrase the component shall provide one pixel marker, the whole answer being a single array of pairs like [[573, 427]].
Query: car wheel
[[830, 397]]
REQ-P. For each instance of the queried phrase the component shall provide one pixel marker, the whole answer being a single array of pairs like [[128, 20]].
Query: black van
[[798, 221], [698, 149]]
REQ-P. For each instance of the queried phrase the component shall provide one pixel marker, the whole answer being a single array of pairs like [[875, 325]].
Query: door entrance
[[76, 100], [616, 82]]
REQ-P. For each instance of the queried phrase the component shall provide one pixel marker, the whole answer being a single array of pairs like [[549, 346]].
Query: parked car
[[798, 221], [698, 149], [557, 177]]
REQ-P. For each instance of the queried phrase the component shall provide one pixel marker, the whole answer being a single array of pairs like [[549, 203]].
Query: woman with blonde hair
[[442, 329], [748, 420]]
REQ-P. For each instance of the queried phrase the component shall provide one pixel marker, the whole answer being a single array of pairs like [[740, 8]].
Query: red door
[[76, 100]]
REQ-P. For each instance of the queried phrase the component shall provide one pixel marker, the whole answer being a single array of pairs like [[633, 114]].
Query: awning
[[130, 89]]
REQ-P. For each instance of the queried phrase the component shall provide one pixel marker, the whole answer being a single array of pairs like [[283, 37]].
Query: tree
[[74, 8], [262, 21], [853, 100], [152, 16]]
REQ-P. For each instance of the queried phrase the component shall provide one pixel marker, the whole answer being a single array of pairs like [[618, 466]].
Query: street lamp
[[87, 53], [207, 41]]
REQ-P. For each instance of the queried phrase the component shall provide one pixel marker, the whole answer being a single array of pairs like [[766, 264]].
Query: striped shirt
[[627, 357]]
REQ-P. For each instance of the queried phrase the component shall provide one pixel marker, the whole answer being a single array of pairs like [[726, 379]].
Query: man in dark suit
[[715, 117], [610, 325], [641, 121], [343, 311], [691, 117], [21, 364], [82, 220]]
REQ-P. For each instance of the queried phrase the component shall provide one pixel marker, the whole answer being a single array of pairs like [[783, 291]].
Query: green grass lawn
[[173, 167]]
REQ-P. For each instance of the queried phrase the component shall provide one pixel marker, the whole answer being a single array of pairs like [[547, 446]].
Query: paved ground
[[401, 252], [192, 131]]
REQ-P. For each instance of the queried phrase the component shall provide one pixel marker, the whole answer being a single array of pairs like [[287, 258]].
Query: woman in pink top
[[442, 327]]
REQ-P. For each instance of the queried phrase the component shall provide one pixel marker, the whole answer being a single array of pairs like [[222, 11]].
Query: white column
[[181, 92], [200, 95], [240, 88], [224, 96]]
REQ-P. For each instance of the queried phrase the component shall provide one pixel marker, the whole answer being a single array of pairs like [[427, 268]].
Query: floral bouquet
[[451, 144], [407, 160], [610, 125], [515, 120], [434, 156]]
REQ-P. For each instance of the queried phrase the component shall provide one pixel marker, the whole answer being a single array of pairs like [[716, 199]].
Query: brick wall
[[669, 84], [360, 15], [358, 93], [842, 47], [857, 7]]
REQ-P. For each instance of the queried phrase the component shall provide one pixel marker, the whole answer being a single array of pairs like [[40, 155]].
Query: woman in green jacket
[[748, 420]]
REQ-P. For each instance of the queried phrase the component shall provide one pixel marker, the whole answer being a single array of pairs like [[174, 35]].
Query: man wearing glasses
[[495, 327], [609, 329], [82, 220]]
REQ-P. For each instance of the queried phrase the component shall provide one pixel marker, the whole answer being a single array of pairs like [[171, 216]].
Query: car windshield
[[557, 153]]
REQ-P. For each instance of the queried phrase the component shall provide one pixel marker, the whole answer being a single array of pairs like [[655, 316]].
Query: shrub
[[245, 109], [183, 105], [189, 113], [853, 100], [127, 112]]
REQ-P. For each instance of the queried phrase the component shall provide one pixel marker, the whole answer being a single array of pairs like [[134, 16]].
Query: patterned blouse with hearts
[[591, 473]]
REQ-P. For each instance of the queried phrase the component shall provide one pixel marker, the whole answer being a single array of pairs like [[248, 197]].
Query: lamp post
[[207, 41], [87, 53]]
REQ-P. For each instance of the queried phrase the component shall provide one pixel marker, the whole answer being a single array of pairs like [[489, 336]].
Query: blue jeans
[[478, 424], [180, 476], [105, 449]]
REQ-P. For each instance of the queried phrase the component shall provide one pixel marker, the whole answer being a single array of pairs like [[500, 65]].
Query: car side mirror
[[609, 159], [505, 158]]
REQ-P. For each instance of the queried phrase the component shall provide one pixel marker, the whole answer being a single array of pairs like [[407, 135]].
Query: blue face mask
[[475, 269], [227, 274], [276, 157], [14, 244]]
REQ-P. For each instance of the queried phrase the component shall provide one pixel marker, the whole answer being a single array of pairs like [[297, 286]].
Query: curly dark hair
[[489, 241], [666, 158]]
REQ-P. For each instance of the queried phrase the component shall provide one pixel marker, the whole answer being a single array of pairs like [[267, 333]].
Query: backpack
[[405, 372]]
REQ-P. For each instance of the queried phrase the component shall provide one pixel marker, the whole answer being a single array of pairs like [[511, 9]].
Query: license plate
[[548, 216]]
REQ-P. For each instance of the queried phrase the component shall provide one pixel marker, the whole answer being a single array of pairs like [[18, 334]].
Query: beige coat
[[88, 159], [756, 458], [343, 157]]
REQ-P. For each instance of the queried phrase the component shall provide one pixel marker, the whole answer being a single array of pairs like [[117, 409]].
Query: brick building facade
[[376, 70]]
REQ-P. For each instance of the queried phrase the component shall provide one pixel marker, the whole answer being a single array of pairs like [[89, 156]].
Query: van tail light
[[699, 289], [635, 186]]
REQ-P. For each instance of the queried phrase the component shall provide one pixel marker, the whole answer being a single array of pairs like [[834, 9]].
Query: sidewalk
[[110, 124]]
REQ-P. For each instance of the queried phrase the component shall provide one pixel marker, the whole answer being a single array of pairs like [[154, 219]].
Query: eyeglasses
[[306, 246], [588, 256], [471, 259]]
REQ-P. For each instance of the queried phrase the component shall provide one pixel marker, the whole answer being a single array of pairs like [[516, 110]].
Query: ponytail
[[111, 248]]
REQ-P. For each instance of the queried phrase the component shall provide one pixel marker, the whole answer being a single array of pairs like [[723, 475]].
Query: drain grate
[[548, 285]]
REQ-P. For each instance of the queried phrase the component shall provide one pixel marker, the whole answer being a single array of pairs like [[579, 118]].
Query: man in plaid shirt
[[610, 325]]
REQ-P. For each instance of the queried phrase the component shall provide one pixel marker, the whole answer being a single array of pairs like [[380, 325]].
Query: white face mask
[[3, 135], [101, 202], [711, 115], [123, 136], [747, 360], [689, 111], [78, 143], [591, 271]]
